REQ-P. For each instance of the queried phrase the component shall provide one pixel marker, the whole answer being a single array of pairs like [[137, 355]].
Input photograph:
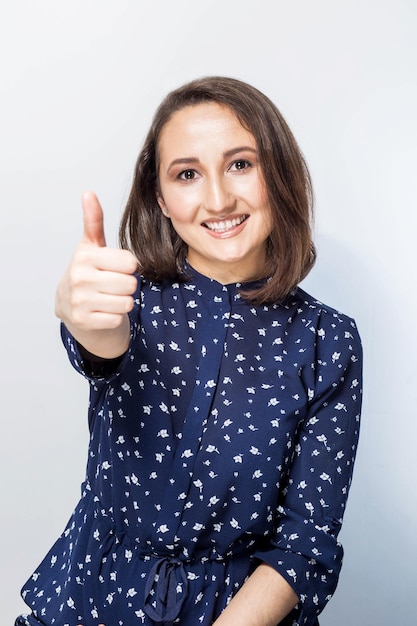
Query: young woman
[[225, 401]]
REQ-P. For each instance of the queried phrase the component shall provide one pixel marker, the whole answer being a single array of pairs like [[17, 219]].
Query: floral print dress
[[225, 437]]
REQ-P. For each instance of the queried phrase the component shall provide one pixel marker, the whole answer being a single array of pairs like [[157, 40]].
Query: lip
[[228, 227]]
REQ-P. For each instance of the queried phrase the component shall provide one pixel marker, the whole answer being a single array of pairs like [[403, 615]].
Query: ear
[[162, 205]]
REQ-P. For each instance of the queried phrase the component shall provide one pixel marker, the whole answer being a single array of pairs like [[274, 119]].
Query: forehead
[[207, 124]]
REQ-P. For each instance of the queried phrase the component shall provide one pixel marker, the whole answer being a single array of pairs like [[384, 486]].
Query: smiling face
[[212, 189]]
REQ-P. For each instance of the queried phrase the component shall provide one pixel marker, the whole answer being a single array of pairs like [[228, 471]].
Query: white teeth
[[224, 225]]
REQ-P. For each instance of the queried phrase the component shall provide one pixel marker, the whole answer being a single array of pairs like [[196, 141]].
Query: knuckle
[[114, 321], [79, 319], [81, 258], [132, 284], [130, 260], [76, 277], [76, 301], [129, 304]]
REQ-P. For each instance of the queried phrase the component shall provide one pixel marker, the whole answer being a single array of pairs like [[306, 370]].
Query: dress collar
[[213, 290]]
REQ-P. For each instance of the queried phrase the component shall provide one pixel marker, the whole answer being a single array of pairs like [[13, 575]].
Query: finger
[[93, 220], [116, 284], [87, 312], [102, 321], [114, 260], [110, 304]]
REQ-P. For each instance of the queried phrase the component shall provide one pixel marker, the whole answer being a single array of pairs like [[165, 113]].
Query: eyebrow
[[183, 161], [228, 153], [233, 151]]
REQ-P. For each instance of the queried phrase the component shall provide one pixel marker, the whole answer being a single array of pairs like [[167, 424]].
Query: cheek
[[180, 206], [255, 193]]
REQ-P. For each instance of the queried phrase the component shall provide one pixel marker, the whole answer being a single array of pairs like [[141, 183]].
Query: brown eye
[[240, 165], [187, 175]]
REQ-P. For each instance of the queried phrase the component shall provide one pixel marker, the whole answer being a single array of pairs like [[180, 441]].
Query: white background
[[79, 83]]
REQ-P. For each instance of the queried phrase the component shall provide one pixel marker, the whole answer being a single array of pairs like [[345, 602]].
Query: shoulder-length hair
[[160, 251]]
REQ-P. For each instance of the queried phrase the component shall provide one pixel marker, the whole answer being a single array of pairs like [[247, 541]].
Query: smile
[[225, 225]]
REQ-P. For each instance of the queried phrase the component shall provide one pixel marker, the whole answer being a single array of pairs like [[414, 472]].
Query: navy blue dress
[[225, 437]]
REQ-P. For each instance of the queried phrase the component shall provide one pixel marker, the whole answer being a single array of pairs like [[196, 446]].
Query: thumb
[[93, 220]]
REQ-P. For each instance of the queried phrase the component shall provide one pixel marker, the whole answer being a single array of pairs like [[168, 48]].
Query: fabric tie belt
[[165, 590]]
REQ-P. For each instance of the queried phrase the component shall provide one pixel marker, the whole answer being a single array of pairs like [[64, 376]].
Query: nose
[[218, 197]]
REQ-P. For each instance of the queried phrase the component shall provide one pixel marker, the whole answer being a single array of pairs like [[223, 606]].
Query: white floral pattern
[[226, 437]]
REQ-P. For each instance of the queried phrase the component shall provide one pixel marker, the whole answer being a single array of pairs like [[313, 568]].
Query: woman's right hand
[[94, 295]]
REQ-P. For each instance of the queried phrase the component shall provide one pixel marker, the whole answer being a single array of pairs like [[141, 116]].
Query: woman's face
[[213, 191]]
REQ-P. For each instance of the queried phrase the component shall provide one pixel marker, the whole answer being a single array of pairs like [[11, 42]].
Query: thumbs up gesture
[[94, 296]]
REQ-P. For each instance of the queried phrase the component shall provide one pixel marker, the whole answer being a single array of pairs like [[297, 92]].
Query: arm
[[305, 549], [264, 600], [94, 296]]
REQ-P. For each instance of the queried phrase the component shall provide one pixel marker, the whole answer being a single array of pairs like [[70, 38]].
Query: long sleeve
[[305, 549]]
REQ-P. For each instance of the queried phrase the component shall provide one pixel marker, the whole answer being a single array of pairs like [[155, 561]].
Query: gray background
[[79, 83]]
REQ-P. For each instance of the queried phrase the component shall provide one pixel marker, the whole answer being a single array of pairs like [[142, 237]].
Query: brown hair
[[150, 235]]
